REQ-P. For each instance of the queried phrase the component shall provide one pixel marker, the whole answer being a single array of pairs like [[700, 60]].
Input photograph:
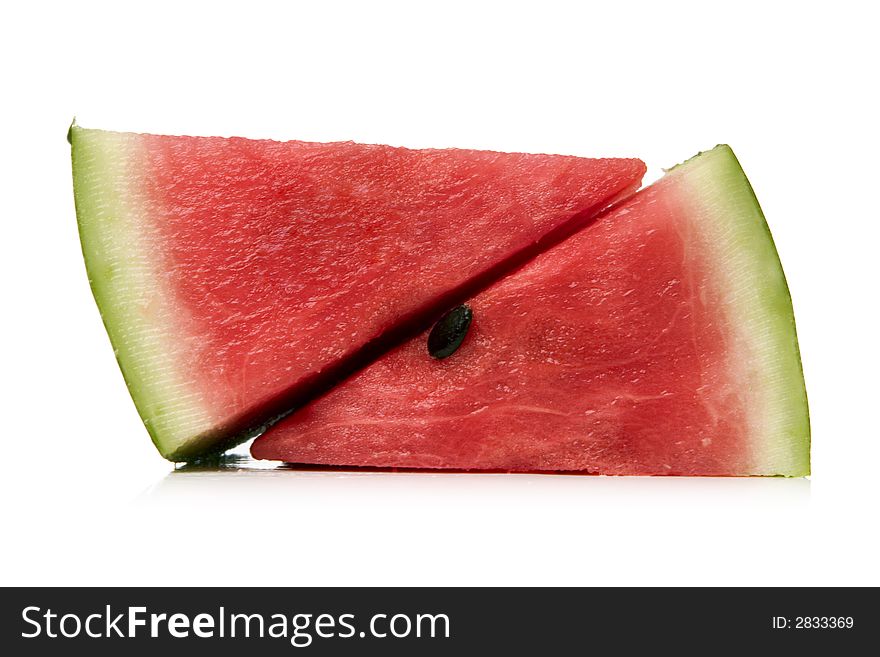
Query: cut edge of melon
[[759, 309], [128, 291], [142, 327]]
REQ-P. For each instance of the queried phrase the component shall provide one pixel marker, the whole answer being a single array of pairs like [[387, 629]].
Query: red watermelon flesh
[[236, 277], [658, 340]]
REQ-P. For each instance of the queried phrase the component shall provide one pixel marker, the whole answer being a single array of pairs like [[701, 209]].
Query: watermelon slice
[[659, 340], [237, 277]]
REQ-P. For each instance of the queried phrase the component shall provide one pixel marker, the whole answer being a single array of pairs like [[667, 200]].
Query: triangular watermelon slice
[[237, 277], [659, 340]]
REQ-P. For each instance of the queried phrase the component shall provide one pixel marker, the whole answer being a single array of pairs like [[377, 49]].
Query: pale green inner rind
[[760, 314], [135, 310]]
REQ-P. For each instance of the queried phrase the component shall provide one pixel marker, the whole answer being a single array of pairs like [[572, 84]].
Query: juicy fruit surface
[[633, 347], [232, 274]]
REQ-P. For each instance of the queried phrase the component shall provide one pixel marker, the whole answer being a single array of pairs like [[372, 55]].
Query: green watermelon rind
[[758, 307], [124, 285]]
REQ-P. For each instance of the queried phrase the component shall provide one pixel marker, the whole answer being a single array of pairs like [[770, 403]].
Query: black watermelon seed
[[449, 332]]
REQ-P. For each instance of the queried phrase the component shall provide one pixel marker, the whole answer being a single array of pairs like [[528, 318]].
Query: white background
[[791, 86]]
